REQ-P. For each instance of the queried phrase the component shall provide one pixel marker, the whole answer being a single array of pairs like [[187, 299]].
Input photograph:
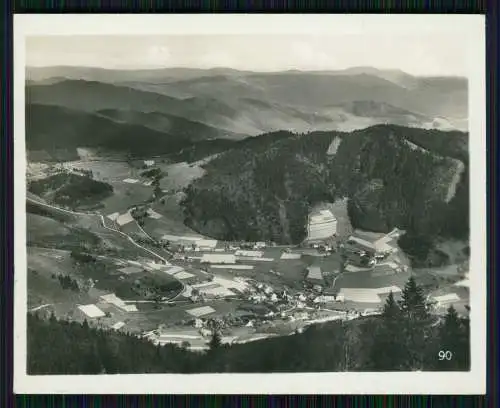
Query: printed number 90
[[445, 355]]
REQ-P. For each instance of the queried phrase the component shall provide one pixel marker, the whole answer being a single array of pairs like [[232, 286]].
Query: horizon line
[[124, 69]]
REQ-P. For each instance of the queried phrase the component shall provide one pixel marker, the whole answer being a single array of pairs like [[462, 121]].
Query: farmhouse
[[218, 259], [360, 246], [368, 295], [378, 247], [91, 311], [446, 300], [118, 326], [206, 244], [359, 295]]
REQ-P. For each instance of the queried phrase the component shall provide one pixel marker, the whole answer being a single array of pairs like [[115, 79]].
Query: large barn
[[321, 226]]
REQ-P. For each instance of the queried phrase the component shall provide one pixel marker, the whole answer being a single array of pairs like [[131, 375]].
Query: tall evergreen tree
[[454, 342], [215, 341], [417, 324], [388, 350], [413, 303]]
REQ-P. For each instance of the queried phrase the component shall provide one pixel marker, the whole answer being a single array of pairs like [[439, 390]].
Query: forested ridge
[[406, 337], [71, 189], [263, 188]]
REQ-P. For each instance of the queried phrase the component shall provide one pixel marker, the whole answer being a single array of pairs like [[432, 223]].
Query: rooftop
[[91, 311], [450, 297]]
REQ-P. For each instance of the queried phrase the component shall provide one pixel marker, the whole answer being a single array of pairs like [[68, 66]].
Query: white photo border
[[472, 382]]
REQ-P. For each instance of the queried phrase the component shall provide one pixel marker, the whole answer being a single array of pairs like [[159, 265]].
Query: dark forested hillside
[[71, 189], [404, 338], [393, 176], [170, 124], [55, 128]]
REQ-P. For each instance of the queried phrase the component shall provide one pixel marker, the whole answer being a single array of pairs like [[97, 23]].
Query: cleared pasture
[[150, 316], [43, 289], [125, 196], [171, 222], [179, 175], [366, 279], [125, 179]]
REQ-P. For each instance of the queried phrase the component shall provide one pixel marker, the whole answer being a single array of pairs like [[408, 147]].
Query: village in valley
[[182, 286]]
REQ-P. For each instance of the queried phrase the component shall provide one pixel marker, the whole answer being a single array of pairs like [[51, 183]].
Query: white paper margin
[[473, 382]]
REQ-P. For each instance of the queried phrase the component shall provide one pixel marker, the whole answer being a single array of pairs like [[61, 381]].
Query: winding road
[[129, 238]]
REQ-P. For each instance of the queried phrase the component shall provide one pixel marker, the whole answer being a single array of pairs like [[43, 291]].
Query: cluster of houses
[[198, 244], [364, 252]]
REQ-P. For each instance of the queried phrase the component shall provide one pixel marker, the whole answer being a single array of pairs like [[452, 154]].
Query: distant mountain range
[[223, 103]]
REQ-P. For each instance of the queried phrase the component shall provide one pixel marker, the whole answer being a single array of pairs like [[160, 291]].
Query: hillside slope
[[54, 128], [258, 188], [243, 103], [445, 97], [97, 96]]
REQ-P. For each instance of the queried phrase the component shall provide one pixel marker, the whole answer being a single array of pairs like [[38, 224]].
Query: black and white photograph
[[293, 204]]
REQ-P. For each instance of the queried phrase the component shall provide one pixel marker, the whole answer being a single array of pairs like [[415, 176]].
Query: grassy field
[[179, 175], [43, 285], [107, 171], [42, 230], [172, 220], [124, 195], [365, 279], [133, 230], [150, 316], [291, 272]]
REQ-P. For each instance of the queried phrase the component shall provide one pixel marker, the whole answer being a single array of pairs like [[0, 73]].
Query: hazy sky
[[419, 54]]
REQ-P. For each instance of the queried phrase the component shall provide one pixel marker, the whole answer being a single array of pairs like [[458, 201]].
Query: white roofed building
[[322, 225], [218, 258], [446, 300], [381, 246], [206, 244]]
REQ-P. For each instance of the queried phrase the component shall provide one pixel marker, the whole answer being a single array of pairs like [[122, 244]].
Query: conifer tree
[[453, 342], [413, 303], [388, 350], [215, 341], [417, 323]]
